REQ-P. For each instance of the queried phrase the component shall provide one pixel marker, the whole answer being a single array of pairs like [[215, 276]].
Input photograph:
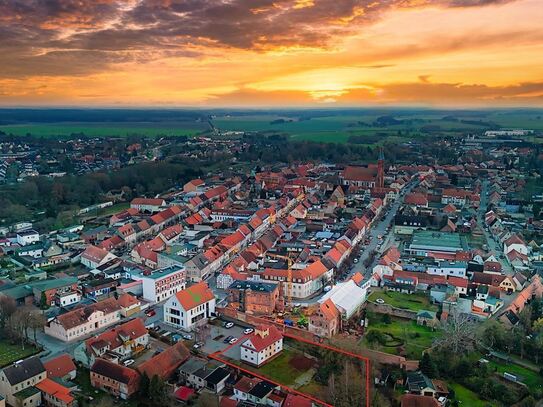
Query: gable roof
[[56, 390], [261, 342], [114, 371], [116, 336], [28, 368], [165, 363], [80, 315], [59, 366]]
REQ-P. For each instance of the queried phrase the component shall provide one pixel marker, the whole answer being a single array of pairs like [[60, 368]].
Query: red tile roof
[[195, 295], [147, 201], [116, 336], [165, 363], [55, 389], [126, 300], [59, 366], [260, 340]]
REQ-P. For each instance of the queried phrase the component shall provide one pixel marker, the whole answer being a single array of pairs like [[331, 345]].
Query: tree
[[43, 301], [207, 400], [144, 385], [428, 366], [458, 333], [156, 389], [7, 308]]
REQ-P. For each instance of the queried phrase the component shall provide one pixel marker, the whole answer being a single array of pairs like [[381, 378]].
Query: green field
[[10, 353], [530, 378], [338, 126], [468, 398], [106, 129], [403, 336], [280, 369], [412, 302]]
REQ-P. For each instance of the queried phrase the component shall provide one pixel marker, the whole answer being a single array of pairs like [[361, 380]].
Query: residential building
[[61, 367], [165, 363], [120, 343], [265, 343], [325, 319], [27, 237], [94, 256], [84, 321], [161, 284], [190, 307], [119, 381], [149, 205], [129, 304], [254, 297], [55, 394], [18, 381]]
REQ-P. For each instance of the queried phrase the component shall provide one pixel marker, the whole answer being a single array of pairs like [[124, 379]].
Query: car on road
[[327, 288], [198, 345], [129, 362], [151, 313], [380, 301], [233, 341], [228, 325], [248, 331], [227, 339], [188, 337]]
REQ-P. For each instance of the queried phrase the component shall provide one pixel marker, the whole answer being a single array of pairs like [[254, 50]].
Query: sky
[[276, 53]]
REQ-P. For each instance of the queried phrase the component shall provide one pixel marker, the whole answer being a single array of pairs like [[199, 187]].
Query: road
[[493, 244], [380, 228]]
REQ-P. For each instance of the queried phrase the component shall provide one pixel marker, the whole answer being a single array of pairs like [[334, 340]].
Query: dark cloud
[[66, 37]]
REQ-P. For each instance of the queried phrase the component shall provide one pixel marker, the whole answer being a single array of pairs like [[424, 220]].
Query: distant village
[[239, 289]]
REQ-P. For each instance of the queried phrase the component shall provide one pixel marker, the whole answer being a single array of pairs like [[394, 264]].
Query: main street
[[380, 228]]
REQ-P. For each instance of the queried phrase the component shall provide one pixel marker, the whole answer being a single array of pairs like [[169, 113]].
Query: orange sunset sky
[[271, 53]]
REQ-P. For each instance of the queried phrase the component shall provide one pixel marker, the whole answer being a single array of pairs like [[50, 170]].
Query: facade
[[18, 381], [94, 257], [55, 394], [28, 237], [190, 307], [61, 367], [162, 283], [129, 304], [120, 381], [254, 297], [325, 320], [265, 343], [147, 204], [84, 321]]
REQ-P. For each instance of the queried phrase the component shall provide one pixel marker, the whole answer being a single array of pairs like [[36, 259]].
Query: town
[[388, 281]]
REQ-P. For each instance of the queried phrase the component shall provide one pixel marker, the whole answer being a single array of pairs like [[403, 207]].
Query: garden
[[412, 302], [398, 336]]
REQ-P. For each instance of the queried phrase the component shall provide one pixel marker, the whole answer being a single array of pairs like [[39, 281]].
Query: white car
[[228, 325], [248, 331], [380, 301], [129, 362], [233, 341]]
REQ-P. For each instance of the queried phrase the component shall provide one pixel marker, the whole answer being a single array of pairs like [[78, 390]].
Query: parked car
[[156, 328], [198, 345], [227, 339], [233, 341], [129, 362], [151, 313], [248, 331], [228, 325], [188, 337], [380, 301]]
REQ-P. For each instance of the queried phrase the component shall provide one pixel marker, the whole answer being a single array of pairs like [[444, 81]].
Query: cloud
[[446, 94], [85, 36]]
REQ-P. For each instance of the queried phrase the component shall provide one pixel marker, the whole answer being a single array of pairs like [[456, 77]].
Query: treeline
[[52, 196]]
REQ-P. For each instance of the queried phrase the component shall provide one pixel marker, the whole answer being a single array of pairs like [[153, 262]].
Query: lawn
[[530, 378], [413, 302], [403, 336], [10, 353], [468, 398], [110, 210], [281, 368]]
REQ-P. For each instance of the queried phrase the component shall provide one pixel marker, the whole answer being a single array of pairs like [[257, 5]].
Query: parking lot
[[216, 343]]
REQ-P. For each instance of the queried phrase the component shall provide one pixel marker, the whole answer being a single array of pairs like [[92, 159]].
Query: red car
[[151, 313]]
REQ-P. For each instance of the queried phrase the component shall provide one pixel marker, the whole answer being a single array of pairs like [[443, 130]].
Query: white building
[[448, 268], [28, 237], [262, 345], [347, 297], [67, 298], [161, 284], [190, 307], [94, 257]]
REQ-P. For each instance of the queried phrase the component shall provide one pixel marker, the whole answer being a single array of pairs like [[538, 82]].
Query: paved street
[[380, 228]]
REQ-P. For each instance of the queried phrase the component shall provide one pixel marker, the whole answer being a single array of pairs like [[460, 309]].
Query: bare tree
[[36, 322], [459, 332]]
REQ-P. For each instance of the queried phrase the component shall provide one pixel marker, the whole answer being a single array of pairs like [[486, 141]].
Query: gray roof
[[28, 368], [253, 285]]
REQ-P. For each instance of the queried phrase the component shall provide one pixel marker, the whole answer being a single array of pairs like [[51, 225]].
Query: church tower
[[381, 169]]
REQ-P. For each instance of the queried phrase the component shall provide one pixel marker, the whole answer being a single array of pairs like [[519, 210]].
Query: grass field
[[532, 379], [468, 398], [281, 369], [413, 302], [106, 129], [10, 353], [402, 334]]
